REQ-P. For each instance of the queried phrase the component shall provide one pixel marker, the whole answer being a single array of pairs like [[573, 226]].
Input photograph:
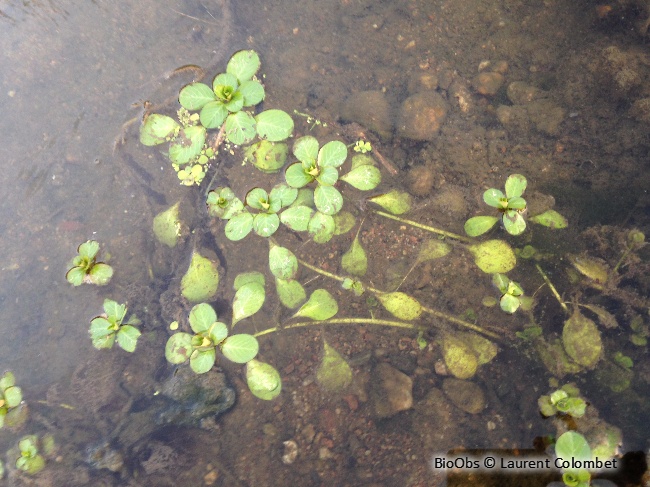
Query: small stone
[[290, 452], [325, 453], [422, 115], [521, 93], [370, 109], [419, 180], [211, 477], [640, 110], [391, 391], [488, 83], [465, 395]]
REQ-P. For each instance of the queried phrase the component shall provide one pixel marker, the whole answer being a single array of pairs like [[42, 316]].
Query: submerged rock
[[370, 109], [391, 391], [465, 395], [422, 115]]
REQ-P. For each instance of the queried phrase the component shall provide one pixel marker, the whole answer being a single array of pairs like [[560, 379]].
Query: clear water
[[73, 79]]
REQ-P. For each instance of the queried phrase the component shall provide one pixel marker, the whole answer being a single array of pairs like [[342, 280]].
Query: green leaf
[[240, 128], [332, 154], [460, 359], [224, 82], [202, 316], [515, 185], [127, 337], [501, 282], [240, 348], [195, 96], [217, 332], [223, 203], [572, 445], [252, 91], [284, 194], [114, 310], [265, 224], [344, 221], [213, 114], [8, 380], [157, 129], [478, 225], [178, 348], [359, 160], [306, 149], [493, 256], [517, 203], [258, 198], [236, 102], [100, 327], [100, 274], [296, 177], [327, 176], [495, 198], [244, 65], [551, 219], [355, 261], [263, 380], [187, 145], [328, 200], [268, 157], [513, 222], [274, 125], [305, 198], [201, 280], [75, 276], [581, 340], [88, 249], [433, 249], [291, 293], [321, 227], [395, 202], [320, 306], [248, 300], [239, 226], [201, 361], [106, 341], [363, 177], [13, 396], [246, 277], [297, 218], [282, 262], [509, 303], [401, 305], [334, 373], [167, 226]]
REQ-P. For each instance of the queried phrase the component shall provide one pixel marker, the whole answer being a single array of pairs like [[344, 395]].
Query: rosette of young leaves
[[223, 203], [10, 395], [510, 293], [30, 460], [200, 348], [510, 205], [85, 269], [266, 221], [110, 326], [566, 400]]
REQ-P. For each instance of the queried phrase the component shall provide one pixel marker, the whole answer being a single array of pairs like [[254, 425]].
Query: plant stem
[[340, 321], [445, 233], [552, 288], [439, 314]]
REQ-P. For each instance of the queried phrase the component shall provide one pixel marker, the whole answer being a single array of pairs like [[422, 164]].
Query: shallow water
[[74, 77]]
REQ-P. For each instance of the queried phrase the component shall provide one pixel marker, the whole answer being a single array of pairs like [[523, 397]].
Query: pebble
[[465, 395], [422, 115], [371, 110], [488, 83], [391, 391]]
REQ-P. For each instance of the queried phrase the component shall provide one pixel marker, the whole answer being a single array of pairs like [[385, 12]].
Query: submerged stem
[[445, 233], [439, 314], [552, 288], [340, 321]]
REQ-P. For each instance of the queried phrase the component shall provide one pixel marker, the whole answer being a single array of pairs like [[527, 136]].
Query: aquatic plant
[[85, 269], [110, 326], [565, 400], [511, 293], [10, 396], [362, 146], [221, 106], [30, 460], [510, 205], [573, 446]]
